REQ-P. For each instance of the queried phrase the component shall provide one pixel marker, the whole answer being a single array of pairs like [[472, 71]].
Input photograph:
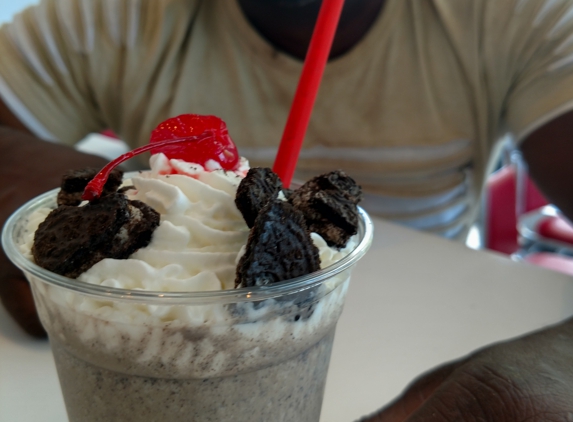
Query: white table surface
[[415, 302]]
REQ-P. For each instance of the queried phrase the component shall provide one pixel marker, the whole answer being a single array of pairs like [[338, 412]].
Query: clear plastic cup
[[257, 354]]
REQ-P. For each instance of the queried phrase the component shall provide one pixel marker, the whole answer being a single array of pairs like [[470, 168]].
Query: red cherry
[[219, 148], [95, 186], [190, 137]]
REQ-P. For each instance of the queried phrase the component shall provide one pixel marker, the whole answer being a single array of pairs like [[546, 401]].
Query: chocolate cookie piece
[[257, 189], [75, 181], [136, 232], [337, 181], [328, 203], [70, 240], [279, 248]]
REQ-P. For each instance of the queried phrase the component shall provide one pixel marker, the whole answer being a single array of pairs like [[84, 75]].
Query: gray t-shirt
[[412, 112]]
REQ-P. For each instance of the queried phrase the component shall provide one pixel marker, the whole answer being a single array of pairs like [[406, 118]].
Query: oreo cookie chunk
[[67, 239], [336, 181], [72, 239], [75, 181], [279, 248], [259, 187], [136, 232], [328, 203]]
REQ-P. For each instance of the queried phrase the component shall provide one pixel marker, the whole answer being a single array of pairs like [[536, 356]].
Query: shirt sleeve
[[72, 67], [536, 63]]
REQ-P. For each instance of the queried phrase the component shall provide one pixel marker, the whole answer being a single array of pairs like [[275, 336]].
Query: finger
[[480, 392], [415, 395]]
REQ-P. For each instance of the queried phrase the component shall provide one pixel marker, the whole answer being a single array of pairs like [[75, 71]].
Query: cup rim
[[245, 294]]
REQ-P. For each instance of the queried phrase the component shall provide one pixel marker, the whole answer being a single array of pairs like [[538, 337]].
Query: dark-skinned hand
[[526, 379], [29, 167]]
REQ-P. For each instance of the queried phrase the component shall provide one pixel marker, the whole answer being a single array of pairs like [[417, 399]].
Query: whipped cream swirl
[[201, 231]]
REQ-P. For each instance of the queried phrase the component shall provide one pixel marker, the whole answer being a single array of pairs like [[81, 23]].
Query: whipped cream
[[200, 237], [200, 233]]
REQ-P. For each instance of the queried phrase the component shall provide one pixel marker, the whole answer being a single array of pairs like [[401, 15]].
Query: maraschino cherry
[[189, 137], [220, 149]]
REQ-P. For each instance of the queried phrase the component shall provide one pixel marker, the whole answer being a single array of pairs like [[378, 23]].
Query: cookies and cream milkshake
[[224, 308]]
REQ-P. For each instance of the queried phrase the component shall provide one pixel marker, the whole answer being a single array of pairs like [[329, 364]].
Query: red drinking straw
[[301, 109]]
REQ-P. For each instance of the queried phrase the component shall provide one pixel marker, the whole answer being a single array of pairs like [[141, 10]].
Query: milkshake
[[178, 330]]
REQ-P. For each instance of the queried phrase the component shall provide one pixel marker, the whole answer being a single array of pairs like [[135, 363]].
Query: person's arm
[[527, 379], [28, 166]]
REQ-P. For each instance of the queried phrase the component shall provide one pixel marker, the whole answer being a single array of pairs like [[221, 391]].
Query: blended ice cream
[[194, 292], [128, 360]]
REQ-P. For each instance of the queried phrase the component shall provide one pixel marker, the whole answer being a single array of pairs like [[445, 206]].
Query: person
[[414, 100]]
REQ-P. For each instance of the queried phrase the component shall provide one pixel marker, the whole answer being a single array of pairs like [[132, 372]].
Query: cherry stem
[[94, 188]]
